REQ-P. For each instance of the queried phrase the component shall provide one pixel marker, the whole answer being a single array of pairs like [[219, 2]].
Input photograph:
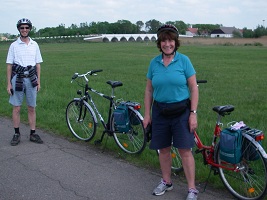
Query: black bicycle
[[82, 116]]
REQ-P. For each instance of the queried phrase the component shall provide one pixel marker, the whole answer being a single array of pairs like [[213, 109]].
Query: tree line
[[126, 27]]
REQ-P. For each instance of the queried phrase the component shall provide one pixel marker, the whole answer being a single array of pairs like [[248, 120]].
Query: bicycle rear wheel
[[249, 180], [134, 141], [176, 160], [80, 120]]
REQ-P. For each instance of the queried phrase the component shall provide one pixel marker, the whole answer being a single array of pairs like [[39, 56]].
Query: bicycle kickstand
[[98, 142], [206, 182]]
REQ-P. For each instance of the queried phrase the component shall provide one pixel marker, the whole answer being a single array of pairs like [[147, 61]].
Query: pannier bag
[[121, 118], [231, 145]]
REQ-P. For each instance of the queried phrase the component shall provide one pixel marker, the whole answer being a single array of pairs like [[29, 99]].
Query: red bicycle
[[247, 179]]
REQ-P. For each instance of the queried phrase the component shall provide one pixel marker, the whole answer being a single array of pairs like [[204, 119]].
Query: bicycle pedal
[[198, 151]]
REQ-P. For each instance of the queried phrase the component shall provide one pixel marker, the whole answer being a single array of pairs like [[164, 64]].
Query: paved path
[[64, 170]]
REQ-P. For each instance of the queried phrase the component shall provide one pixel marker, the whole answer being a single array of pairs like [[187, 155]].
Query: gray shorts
[[30, 93], [168, 130]]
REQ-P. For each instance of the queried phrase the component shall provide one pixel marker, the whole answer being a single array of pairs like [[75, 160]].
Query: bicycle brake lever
[[74, 77]]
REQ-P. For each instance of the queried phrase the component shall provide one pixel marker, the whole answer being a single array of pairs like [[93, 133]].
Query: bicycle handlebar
[[76, 75], [202, 81]]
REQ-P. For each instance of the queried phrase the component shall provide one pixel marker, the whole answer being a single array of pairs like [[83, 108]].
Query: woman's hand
[[192, 122]]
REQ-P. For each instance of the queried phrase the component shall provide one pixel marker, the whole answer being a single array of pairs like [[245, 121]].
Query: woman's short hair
[[168, 35]]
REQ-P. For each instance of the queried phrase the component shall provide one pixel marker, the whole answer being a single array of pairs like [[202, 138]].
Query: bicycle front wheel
[[80, 120], [134, 141], [249, 180]]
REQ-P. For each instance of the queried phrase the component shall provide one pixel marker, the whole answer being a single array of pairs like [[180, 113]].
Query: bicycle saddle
[[223, 110], [114, 83]]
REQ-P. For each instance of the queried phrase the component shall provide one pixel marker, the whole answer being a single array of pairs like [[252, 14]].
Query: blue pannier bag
[[121, 118], [231, 145]]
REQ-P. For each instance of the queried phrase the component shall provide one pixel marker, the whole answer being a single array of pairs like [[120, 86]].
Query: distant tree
[[33, 32], [139, 26], [152, 26], [46, 32], [237, 34], [93, 28], [180, 25], [98, 28], [61, 30], [260, 31], [248, 33], [125, 26]]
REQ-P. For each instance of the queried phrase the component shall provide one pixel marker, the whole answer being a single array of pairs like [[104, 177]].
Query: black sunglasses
[[26, 27]]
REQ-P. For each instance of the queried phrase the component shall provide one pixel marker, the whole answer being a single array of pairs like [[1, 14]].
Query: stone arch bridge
[[125, 37]]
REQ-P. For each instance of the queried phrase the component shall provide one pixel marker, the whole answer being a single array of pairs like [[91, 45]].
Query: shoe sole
[[37, 142], [163, 192], [14, 144]]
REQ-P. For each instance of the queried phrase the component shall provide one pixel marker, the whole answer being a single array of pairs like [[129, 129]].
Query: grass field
[[236, 75]]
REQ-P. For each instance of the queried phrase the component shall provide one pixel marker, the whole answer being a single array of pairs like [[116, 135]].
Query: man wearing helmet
[[23, 78], [172, 94]]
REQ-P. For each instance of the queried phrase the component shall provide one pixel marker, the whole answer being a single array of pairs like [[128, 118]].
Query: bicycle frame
[[111, 105]]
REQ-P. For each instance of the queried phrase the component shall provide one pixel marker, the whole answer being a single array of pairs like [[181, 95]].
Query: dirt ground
[[225, 41]]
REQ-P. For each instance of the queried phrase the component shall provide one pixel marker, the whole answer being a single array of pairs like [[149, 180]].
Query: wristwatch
[[193, 111]]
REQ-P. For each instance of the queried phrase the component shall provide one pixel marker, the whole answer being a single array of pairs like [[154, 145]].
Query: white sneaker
[[162, 188], [192, 194]]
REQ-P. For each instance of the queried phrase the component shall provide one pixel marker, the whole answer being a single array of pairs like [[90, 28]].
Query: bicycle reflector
[[125, 145], [137, 107], [173, 155], [259, 137], [251, 190]]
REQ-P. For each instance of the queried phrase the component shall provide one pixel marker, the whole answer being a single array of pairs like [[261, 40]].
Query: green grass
[[236, 75]]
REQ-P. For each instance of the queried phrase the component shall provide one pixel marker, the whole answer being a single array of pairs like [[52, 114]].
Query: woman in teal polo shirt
[[172, 94]]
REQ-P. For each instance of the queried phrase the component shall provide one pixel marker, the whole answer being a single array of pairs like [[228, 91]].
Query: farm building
[[192, 32], [226, 32]]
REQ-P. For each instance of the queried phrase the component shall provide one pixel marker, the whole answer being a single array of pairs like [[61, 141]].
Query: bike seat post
[[112, 92], [218, 122]]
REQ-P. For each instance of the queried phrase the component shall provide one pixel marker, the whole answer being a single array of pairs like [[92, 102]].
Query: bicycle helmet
[[168, 27], [24, 21]]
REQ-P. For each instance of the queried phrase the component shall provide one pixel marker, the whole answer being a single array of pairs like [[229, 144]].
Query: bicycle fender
[[91, 109], [259, 147], [136, 112]]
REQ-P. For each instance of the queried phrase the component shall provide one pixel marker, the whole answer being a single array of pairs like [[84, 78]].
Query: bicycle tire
[[177, 165], [249, 182], [134, 141], [84, 128]]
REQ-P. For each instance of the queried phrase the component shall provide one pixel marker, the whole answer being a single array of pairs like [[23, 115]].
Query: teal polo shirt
[[170, 83]]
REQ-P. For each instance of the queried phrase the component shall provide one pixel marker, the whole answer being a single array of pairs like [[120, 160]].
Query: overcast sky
[[51, 13]]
